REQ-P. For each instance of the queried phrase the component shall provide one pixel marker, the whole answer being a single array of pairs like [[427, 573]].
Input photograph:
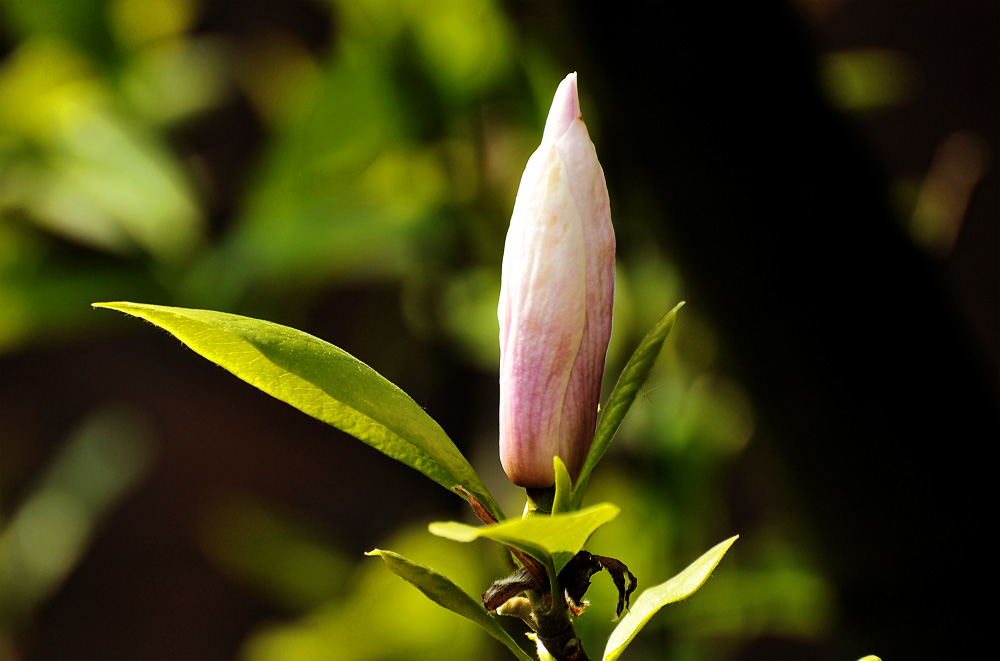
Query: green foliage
[[374, 616], [552, 540], [327, 383], [650, 601], [563, 489], [387, 162], [631, 380], [333, 386], [445, 593], [555, 539]]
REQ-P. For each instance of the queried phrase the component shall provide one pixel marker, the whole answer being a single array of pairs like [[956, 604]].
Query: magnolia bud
[[556, 296]]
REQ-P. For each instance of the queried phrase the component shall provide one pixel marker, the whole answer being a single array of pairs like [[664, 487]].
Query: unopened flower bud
[[556, 296]]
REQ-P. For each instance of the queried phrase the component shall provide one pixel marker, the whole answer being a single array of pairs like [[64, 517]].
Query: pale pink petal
[[557, 290]]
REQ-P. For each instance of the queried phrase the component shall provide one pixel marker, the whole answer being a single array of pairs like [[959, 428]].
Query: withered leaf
[[575, 578], [477, 506], [618, 570], [508, 588]]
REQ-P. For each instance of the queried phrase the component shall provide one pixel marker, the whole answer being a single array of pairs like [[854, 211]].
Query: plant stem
[[554, 628], [552, 621], [564, 645], [540, 500]]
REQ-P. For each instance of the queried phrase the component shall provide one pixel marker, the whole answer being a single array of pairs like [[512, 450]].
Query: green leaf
[[553, 540], [441, 590], [631, 380], [325, 382], [650, 601], [564, 487]]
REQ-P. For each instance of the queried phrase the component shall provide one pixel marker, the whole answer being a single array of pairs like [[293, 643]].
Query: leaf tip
[[453, 530], [113, 305], [439, 528], [374, 552]]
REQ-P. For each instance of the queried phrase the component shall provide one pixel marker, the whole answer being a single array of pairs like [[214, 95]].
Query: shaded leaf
[[323, 381], [655, 598], [631, 380], [441, 590]]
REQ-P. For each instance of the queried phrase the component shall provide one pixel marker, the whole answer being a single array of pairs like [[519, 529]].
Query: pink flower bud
[[556, 294]]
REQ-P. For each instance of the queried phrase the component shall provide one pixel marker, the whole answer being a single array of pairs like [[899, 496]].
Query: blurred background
[[817, 179]]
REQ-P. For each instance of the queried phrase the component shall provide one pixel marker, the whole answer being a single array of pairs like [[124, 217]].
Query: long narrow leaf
[[655, 598], [323, 381], [444, 592], [631, 380]]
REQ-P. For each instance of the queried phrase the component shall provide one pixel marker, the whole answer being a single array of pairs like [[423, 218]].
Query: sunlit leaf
[[631, 380], [323, 381], [655, 598], [552, 540], [564, 487], [444, 592]]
